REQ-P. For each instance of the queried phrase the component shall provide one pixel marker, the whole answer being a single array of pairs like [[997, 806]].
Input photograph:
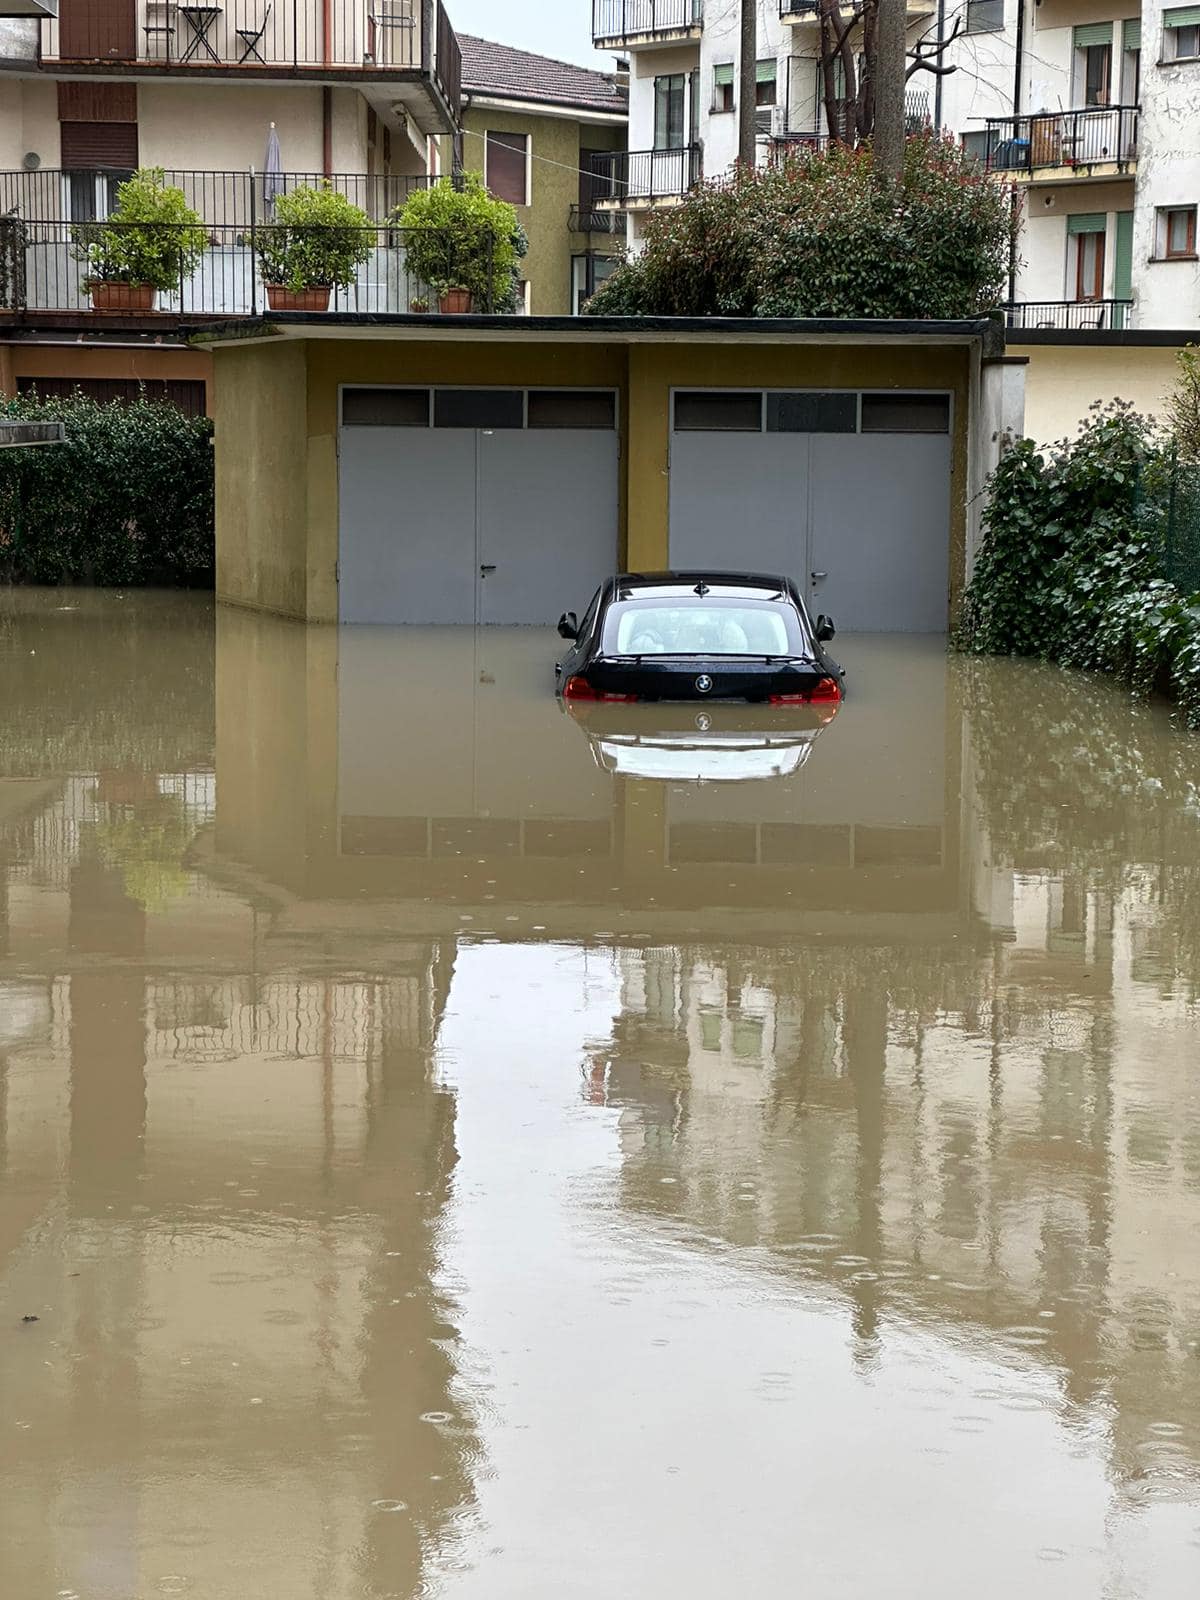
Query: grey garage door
[[847, 493], [475, 505]]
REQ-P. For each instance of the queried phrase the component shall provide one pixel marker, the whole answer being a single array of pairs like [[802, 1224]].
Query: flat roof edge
[[1104, 338], [764, 329]]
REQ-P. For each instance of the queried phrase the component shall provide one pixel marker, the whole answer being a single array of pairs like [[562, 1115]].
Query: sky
[[560, 28]]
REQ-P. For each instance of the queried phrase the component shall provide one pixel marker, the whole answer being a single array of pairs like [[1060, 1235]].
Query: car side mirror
[[825, 629], [568, 625]]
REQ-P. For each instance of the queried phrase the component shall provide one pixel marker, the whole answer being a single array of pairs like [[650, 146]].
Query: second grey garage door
[[847, 493], [475, 505]]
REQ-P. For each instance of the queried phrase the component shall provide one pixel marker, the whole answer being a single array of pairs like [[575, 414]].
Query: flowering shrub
[[824, 235]]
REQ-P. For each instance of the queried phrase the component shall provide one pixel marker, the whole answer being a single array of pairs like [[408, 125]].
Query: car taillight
[[578, 688], [828, 691]]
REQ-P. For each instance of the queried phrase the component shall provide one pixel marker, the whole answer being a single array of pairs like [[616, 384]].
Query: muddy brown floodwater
[[448, 1149]]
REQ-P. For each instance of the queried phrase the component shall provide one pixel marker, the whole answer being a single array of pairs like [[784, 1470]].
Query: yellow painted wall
[[1063, 381], [277, 501], [259, 414]]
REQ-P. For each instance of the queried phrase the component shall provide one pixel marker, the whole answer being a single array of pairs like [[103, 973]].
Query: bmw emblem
[[704, 722], [703, 683]]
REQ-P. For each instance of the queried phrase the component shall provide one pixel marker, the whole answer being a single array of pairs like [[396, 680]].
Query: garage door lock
[[485, 570]]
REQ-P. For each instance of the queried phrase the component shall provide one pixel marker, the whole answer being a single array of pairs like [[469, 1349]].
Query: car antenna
[[701, 588]]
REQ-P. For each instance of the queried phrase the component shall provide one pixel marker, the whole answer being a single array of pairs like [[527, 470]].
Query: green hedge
[[1072, 564], [127, 500]]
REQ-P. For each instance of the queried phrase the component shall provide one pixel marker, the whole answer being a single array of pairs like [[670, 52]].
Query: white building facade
[[1092, 107]]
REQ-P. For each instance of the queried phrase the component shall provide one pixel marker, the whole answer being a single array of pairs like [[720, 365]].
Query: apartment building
[[356, 91], [1091, 108], [534, 126]]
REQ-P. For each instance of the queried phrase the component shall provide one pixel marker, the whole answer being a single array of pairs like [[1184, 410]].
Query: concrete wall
[[1064, 381], [554, 144], [277, 472], [262, 491]]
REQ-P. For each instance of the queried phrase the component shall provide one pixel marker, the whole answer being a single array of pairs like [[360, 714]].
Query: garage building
[[495, 470]]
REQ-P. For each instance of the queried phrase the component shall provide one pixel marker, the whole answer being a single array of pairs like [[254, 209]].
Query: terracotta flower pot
[[314, 298], [121, 296], [455, 302]]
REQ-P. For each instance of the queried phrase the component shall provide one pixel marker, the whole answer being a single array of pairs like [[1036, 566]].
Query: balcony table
[[200, 20]]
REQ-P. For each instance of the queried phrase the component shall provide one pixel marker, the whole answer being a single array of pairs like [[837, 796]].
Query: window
[[1097, 68], [905, 413], [589, 272], [718, 411], [715, 626], [1181, 33], [385, 408], [985, 16], [507, 172], [764, 83], [669, 121], [723, 88], [478, 408], [1089, 266], [572, 408], [812, 413], [977, 146], [1176, 233]]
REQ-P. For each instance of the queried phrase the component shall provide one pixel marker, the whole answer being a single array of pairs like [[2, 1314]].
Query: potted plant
[[419, 305], [463, 243], [149, 243], [316, 244], [454, 299]]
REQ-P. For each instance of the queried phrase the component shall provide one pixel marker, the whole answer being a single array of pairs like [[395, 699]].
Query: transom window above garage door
[[379, 407], [809, 411]]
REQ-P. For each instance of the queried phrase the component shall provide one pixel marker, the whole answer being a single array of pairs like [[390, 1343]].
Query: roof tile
[[498, 69]]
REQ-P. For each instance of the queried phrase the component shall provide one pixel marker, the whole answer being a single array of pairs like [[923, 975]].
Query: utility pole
[[748, 84], [890, 68]]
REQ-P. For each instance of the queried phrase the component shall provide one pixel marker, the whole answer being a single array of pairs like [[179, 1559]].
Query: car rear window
[[702, 627]]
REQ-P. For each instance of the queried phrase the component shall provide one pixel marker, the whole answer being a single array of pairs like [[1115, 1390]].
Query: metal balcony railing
[[1099, 135], [246, 37], [43, 268], [614, 20], [589, 219], [1070, 315], [220, 199], [799, 8], [628, 176]]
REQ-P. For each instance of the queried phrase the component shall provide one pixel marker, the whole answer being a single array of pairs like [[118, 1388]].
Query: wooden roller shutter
[[88, 145]]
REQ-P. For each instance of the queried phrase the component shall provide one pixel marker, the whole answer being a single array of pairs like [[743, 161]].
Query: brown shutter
[[97, 30], [96, 102], [99, 144], [506, 166]]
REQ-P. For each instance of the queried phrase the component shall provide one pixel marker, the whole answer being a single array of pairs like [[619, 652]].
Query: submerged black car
[[698, 636]]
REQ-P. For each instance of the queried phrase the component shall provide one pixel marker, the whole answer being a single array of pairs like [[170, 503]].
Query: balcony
[[591, 219], [395, 42], [637, 180], [1055, 146], [1073, 316], [797, 11], [627, 24], [42, 276]]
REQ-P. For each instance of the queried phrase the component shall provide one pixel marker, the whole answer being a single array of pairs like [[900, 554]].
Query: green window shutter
[[765, 72], [1133, 33], [1087, 222], [723, 75], [1182, 17], [1093, 33]]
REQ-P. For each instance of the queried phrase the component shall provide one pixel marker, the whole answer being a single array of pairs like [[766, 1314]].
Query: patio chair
[[251, 40], [160, 24]]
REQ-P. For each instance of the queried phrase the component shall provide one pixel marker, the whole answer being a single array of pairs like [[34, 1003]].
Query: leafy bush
[[318, 240], [1183, 405], [151, 236], [128, 499], [825, 235], [1070, 569], [462, 238]]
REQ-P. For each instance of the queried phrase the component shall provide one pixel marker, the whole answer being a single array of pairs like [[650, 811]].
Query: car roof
[[681, 584]]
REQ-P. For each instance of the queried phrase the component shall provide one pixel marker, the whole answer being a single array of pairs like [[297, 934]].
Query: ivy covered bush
[[826, 235], [1072, 560], [127, 500]]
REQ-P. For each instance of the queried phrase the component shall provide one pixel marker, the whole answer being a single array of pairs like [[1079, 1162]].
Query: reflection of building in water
[[224, 1160]]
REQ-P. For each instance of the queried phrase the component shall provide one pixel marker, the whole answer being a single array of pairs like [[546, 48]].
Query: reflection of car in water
[[724, 744], [698, 636]]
